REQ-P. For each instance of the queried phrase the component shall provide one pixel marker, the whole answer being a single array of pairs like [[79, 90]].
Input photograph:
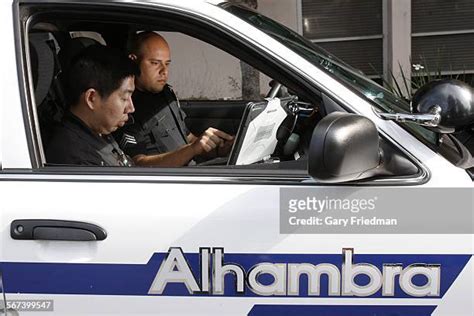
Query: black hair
[[99, 67]]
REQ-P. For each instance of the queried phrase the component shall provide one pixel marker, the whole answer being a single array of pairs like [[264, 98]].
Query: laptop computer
[[256, 137]]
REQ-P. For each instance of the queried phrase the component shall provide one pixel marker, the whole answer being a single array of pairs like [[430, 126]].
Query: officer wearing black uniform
[[73, 143], [159, 137], [99, 87], [158, 124]]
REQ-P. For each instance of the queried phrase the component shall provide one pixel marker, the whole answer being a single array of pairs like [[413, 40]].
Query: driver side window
[[214, 88]]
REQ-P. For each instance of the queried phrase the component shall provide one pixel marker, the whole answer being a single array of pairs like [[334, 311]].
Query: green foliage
[[421, 74]]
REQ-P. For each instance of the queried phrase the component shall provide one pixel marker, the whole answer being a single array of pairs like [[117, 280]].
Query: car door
[[90, 241], [202, 241]]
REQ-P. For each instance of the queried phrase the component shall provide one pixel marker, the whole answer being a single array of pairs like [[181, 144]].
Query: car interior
[[55, 36], [54, 43]]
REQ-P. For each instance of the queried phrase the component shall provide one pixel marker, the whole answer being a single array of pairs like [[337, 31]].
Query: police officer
[[99, 87], [158, 136]]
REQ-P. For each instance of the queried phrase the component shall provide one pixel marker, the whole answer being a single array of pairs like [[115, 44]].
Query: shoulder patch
[[127, 141]]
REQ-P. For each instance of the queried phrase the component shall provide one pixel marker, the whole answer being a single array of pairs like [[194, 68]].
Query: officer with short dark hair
[[99, 88], [158, 136]]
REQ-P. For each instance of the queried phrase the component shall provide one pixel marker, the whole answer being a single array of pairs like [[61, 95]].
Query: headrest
[[73, 48], [42, 64]]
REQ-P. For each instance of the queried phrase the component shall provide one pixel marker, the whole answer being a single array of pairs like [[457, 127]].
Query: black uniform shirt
[[157, 127], [73, 143]]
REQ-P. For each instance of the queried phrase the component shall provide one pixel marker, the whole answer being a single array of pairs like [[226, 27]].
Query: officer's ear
[[91, 97], [133, 57]]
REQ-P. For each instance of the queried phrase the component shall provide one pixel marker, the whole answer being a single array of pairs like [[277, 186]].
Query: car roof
[[175, 2], [184, 3], [216, 2]]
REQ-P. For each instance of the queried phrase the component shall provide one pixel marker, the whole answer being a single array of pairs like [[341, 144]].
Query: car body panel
[[14, 149], [148, 213]]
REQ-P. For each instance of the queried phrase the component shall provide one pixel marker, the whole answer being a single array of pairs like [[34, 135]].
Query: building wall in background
[[200, 71], [350, 29], [385, 36], [283, 11], [443, 35], [357, 31]]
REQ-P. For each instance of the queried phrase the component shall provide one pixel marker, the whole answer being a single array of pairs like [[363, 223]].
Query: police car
[[212, 239]]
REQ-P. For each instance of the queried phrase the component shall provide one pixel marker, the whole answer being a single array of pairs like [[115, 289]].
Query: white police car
[[225, 240]]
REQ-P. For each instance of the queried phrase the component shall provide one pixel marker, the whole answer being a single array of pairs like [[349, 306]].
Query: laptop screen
[[256, 138]]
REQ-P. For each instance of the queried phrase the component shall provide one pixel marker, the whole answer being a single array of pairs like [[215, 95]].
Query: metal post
[[397, 43]]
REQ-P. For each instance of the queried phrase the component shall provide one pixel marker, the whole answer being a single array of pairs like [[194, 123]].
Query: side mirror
[[344, 147], [454, 101], [445, 106]]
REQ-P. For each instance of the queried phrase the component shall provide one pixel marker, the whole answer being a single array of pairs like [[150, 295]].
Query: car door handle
[[46, 229]]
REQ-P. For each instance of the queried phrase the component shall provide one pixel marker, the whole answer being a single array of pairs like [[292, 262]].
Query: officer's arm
[[176, 158], [203, 144], [191, 138]]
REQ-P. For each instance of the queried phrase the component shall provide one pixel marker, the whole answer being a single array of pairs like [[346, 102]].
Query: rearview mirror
[[344, 147]]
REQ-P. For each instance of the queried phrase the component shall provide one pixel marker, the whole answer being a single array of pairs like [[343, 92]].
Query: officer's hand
[[209, 140], [225, 147]]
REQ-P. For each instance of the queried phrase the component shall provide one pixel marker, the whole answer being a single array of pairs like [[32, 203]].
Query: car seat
[[49, 64]]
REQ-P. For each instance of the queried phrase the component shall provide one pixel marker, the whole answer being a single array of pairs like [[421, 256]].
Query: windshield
[[380, 97]]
